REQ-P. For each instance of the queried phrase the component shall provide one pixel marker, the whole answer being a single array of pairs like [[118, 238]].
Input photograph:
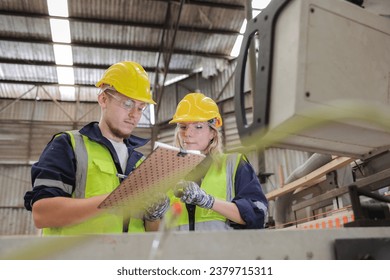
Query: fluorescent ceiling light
[[60, 30], [58, 8], [151, 112], [237, 45], [257, 6], [260, 4], [243, 26], [176, 79], [63, 54], [68, 93], [65, 75], [60, 33], [255, 13]]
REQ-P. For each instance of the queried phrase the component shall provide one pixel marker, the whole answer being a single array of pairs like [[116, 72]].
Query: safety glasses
[[197, 127], [128, 104]]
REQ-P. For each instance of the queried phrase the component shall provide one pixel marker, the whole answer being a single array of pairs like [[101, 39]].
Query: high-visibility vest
[[95, 175], [218, 182]]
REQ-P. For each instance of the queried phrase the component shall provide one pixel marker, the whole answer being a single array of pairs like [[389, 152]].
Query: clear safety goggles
[[127, 104], [197, 127]]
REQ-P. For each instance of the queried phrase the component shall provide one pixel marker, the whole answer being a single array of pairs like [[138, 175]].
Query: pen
[[121, 176]]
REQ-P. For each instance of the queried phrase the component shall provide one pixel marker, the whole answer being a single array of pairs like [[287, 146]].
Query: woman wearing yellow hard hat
[[225, 193]]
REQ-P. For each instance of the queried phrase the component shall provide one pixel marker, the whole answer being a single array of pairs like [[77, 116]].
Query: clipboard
[[160, 171]]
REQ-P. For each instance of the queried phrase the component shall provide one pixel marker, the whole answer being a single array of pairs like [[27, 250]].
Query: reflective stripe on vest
[[82, 163], [223, 175], [95, 175]]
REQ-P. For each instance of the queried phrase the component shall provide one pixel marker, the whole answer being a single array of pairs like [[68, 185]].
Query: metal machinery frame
[[299, 81]]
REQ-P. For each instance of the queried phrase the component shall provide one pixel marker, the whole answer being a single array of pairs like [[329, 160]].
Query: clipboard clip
[[182, 153]]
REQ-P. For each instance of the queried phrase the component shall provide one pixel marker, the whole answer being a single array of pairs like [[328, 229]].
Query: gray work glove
[[157, 208], [190, 193]]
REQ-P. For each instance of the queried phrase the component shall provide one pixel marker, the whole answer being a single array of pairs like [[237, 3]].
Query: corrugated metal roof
[[193, 35], [104, 32], [14, 182]]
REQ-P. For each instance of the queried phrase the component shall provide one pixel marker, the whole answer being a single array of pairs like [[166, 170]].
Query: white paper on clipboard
[[159, 172]]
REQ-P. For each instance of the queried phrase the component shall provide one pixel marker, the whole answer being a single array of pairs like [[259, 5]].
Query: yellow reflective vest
[[95, 175], [218, 182]]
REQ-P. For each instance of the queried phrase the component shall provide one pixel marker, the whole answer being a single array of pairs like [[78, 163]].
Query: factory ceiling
[[172, 39]]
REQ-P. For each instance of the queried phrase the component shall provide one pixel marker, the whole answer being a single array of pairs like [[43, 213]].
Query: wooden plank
[[371, 183], [313, 183], [308, 180]]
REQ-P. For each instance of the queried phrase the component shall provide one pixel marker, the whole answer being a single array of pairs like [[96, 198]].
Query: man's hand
[[189, 192], [157, 208]]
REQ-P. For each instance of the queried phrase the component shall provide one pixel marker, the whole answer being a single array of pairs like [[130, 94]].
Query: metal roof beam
[[209, 4], [122, 23], [86, 66], [41, 83], [115, 47]]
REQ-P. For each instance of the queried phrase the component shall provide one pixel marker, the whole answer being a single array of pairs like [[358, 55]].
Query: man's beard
[[117, 133]]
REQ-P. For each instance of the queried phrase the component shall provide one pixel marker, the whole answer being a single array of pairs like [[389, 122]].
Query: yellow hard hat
[[130, 79], [196, 107]]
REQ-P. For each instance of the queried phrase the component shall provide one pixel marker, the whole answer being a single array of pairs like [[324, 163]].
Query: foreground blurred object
[[313, 75]]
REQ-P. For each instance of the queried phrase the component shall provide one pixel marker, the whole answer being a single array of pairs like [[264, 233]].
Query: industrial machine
[[318, 64], [315, 76]]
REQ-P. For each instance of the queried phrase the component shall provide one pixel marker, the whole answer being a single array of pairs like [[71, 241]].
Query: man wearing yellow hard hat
[[225, 193], [78, 169]]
